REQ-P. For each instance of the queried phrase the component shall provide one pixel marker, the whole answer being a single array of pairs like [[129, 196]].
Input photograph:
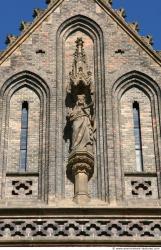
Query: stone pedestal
[[80, 169]]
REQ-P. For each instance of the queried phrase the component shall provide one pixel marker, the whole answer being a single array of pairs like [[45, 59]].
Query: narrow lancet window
[[24, 135], [137, 135]]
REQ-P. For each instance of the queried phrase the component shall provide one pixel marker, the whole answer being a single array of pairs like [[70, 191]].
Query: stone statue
[[82, 129], [80, 98]]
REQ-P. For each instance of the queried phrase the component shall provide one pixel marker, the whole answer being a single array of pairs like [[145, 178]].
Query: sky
[[146, 12]]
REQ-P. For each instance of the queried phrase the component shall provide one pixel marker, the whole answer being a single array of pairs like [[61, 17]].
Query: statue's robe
[[82, 134]]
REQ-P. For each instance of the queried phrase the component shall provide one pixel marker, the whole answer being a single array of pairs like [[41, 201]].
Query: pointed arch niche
[[90, 32], [137, 137], [24, 140]]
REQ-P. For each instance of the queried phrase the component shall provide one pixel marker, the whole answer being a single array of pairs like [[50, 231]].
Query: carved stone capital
[[82, 168], [80, 162]]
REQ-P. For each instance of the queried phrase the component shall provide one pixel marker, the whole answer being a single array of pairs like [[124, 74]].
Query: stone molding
[[86, 226], [81, 161]]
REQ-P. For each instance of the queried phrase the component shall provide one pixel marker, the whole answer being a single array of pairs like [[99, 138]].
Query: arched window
[[24, 135], [137, 135]]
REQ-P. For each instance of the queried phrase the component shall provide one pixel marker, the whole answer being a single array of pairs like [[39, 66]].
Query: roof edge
[[142, 41], [26, 32], [116, 15]]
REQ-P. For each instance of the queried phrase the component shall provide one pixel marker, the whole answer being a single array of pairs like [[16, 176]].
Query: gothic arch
[[143, 81], [150, 88], [37, 85], [91, 29]]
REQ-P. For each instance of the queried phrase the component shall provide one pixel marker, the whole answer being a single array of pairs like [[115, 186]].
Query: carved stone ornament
[[80, 162], [82, 130], [81, 112], [80, 76], [82, 126], [80, 169]]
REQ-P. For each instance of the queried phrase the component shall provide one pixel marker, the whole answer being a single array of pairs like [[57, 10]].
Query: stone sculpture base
[[80, 170]]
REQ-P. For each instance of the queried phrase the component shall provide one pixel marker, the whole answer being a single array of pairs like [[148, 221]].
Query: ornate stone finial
[[80, 72], [121, 13], [109, 1], [24, 25], [10, 39], [37, 12], [1, 52], [148, 39], [134, 26], [49, 1], [159, 53]]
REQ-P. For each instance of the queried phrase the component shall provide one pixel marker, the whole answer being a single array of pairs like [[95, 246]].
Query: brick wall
[[103, 37], [127, 131], [15, 112]]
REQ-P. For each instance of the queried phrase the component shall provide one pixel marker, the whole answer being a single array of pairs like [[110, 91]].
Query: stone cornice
[[80, 227], [46, 211]]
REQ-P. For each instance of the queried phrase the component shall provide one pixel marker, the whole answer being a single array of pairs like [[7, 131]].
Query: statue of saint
[[82, 128]]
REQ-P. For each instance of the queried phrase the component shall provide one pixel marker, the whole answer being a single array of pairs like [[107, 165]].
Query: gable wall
[[48, 67]]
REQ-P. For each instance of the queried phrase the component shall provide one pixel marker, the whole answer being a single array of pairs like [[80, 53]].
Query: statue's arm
[[88, 106], [69, 112]]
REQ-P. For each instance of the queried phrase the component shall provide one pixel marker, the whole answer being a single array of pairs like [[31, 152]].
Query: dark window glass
[[23, 160], [24, 135], [137, 135], [23, 142], [24, 120]]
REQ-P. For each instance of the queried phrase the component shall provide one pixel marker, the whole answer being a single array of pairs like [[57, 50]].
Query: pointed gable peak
[[118, 16]]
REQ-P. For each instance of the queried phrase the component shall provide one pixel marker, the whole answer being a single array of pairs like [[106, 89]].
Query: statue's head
[[80, 100]]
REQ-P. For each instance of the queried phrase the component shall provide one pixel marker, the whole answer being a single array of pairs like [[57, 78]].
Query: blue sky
[[146, 12]]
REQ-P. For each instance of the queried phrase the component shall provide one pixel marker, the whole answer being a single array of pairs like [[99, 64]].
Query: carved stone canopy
[[80, 76]]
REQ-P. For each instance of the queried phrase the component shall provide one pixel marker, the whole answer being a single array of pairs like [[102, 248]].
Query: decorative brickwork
[[118, 69], [85, 230]]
